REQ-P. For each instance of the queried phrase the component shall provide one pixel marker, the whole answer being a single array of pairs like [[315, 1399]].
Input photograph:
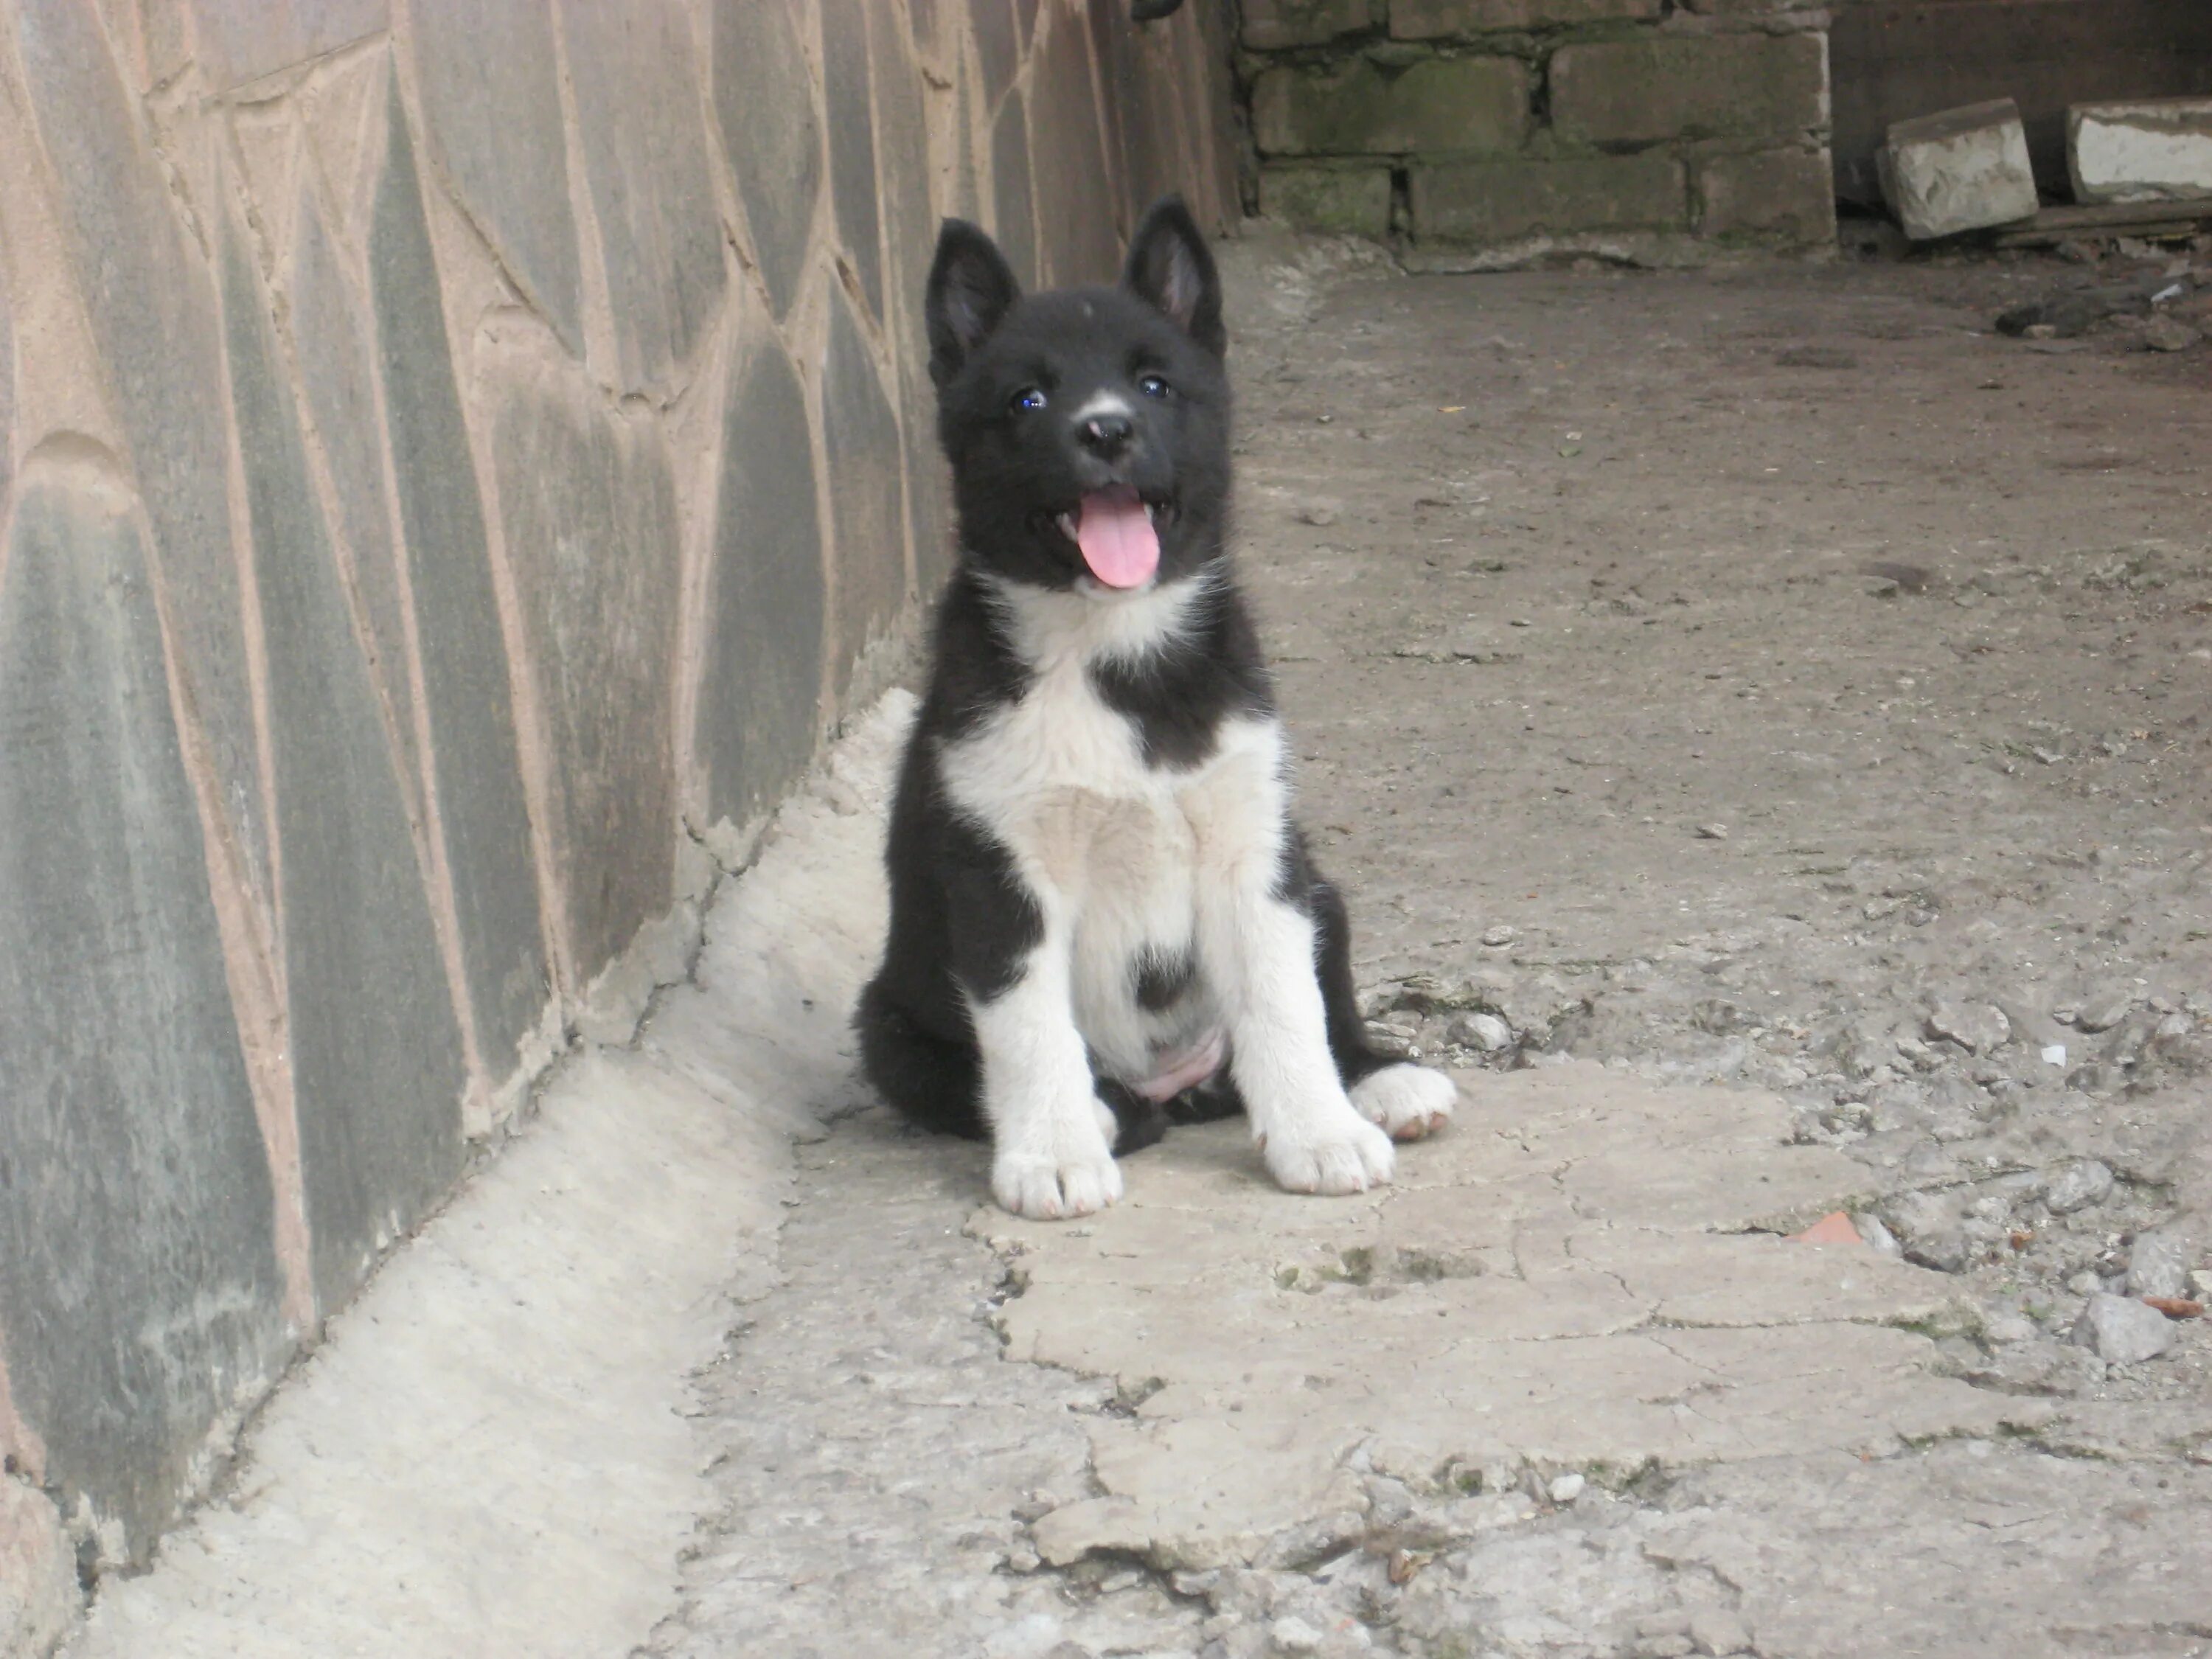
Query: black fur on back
[[961, 921]]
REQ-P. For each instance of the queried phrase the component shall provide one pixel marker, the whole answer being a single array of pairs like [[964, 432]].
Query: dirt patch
[[1680, 701]]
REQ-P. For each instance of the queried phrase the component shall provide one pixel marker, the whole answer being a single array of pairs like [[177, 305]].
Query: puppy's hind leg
[[933, 1081], [1408, 1102], [1339, 996], [1138, 1122]]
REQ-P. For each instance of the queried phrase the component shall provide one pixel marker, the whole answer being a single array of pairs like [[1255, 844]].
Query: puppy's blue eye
[[1028, 400], [1153, 385]]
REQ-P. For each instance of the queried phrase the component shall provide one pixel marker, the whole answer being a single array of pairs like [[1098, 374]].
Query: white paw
[[1408, 1101], [1075, 1180], [1339, 1152]]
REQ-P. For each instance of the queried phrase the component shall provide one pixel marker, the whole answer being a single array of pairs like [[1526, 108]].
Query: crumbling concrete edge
[[545, 1328]]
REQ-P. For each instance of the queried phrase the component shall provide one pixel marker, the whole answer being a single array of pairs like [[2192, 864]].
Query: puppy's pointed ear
[[1169, 266], [971, 288]]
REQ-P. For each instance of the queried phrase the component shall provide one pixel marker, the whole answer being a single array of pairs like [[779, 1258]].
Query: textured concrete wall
[[1493, 133], [459, 460]]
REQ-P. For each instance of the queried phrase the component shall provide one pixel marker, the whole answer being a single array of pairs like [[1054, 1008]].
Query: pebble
[[1484, 1031], [1292, 1634], [1929, 1229], [1974, 1026], [2009, 1328], [2169, 334], [1565, 1488], [2158, 1265], [1712, 832], [2101, 1014], [2121, 1331], [1317, 512], [1392, 1041], [2078, 1186], [2200, 1285], [1495, 937], [1719, 1631], [1878, 1237]]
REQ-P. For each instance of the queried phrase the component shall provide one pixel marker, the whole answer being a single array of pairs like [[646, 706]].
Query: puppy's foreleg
[[1257, 945], [1052, 1138]]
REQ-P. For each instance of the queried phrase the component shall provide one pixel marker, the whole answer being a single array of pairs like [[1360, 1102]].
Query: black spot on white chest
[[1158, 978]]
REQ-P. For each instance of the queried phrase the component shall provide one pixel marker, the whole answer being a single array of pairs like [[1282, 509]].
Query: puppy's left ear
[[1169, 266]]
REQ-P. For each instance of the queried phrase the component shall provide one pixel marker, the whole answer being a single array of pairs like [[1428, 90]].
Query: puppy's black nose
[[1107, 436]]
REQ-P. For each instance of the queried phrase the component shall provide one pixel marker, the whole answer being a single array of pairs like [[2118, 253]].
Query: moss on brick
[[1487, 203], [1350, 201], [1647, 91], [1473, 106], [1439, 20], [1788, 195], [1270, 24]]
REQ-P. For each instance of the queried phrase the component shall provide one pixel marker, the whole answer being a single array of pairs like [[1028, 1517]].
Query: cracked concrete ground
[[1758, 718], [1779, 707]]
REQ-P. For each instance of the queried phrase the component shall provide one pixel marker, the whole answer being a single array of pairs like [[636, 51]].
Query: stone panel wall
[[457, 464], [1478, 133]]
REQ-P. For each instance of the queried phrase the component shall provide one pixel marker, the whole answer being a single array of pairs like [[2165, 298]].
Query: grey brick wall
[[1497, 132]]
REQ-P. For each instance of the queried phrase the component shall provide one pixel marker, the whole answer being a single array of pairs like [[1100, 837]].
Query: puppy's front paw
[[1408, 1102], [1072, 1182], [1339, 1152]]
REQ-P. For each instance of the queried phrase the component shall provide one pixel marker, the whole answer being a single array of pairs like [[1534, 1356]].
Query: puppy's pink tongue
[[1117, 538]]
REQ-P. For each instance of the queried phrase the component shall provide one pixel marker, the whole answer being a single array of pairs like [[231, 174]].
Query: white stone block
[[2158, 150], [1961, 169]]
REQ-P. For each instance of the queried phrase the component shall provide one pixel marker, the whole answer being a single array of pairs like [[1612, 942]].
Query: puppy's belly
[[1141, 1000], [1158, 1053]]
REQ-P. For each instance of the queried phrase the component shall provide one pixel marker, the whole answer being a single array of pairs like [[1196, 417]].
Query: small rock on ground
[[1930, 1230], [1718, 1631], [1486, 1033], [1878, 1237], [2078, 1186], [2158, 1265], [2123, 1331], [2169, 334], [1974, 1026], [2101, 1014]]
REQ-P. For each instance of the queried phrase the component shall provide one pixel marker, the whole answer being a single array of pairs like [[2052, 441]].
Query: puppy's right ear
[[971, 288]]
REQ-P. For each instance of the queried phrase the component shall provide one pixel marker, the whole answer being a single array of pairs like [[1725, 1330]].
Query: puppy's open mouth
[[1118, 532]]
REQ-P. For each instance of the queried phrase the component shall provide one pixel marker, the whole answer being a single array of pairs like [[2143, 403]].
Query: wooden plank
[[2145, 219], [1894, 59]]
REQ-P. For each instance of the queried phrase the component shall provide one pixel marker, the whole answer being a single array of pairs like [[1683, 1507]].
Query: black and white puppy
[[1103, 919]]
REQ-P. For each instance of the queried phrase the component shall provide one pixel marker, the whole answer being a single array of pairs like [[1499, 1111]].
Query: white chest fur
[[1112, 849]]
